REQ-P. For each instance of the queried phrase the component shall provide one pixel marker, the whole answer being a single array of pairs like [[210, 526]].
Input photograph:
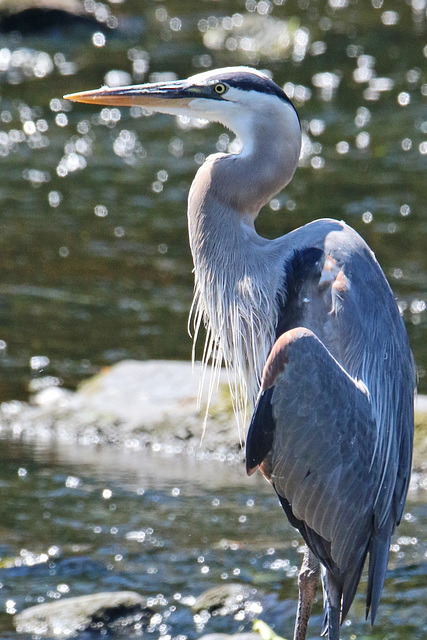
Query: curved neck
[[268, 160], [236, 279], [230, 189]]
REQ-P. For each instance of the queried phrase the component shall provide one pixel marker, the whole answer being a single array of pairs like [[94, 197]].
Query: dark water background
[[170, 528], [95, 267], [95, 264]]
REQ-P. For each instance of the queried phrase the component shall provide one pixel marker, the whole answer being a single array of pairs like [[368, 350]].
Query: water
[[96, 267], [78, 521], [95, 259]]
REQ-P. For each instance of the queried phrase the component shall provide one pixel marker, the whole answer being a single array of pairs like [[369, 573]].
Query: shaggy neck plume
[[235, 292]]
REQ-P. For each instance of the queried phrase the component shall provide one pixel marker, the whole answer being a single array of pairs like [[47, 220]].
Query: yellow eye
[[220, 88]]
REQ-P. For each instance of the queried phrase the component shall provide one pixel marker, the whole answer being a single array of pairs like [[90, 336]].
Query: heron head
[[240, 98]]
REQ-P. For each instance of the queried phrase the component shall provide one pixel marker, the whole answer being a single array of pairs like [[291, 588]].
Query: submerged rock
[[246, 604], [227, 599], [98, 612]]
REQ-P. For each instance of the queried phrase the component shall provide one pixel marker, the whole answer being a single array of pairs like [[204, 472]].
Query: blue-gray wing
[[336, 288], [374, 348], [321, 461]]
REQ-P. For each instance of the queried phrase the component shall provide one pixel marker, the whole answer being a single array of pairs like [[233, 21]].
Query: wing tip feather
[[250, 470]]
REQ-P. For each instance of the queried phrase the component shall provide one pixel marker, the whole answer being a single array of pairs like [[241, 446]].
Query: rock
[[264, 631], [69, 616], [419, 463], [226, 599], [421, 405], [134, 404], [35, 16]]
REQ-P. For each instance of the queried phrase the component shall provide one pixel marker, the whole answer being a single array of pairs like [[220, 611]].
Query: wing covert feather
[[321, 454]]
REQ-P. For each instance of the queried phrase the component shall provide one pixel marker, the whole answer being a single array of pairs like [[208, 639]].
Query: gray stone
[[225, 599], [40, 16], [137, 404], [69, 616]]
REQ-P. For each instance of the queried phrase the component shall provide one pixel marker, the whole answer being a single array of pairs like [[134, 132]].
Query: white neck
[[235, 289]]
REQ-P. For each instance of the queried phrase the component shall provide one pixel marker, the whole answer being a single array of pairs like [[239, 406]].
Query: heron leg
[[308, 579]]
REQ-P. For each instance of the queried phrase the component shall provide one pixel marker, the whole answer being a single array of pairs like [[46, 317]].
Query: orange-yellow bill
[[174, 94]]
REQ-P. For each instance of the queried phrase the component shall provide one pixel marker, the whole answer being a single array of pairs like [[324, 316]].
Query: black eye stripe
[[246, 82], [252, 82]]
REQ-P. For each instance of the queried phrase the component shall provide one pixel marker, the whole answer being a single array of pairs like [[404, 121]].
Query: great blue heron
[[333, 424]]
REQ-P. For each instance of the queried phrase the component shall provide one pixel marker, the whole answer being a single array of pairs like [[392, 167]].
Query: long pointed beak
[[152, 96]]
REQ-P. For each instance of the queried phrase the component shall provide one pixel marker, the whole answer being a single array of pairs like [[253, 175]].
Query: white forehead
[[216, 74]]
